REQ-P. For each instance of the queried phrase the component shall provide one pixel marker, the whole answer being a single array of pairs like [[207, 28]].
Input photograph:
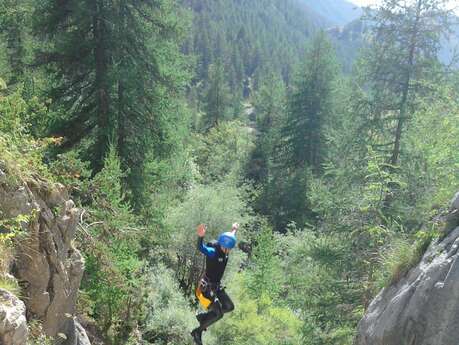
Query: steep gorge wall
[[423, 307], [47, 265]]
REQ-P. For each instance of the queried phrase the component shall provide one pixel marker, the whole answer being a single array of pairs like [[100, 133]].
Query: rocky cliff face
[[423, 307], [13, 324], [47, 265]]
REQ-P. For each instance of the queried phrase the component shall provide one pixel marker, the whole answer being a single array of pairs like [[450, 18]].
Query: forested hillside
[[246, 40], [334, 12], [156, 116]]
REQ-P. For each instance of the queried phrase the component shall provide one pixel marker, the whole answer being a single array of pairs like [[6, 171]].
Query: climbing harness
[[204, 293]]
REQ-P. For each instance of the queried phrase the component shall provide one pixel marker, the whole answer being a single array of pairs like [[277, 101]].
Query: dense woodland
[[160, 115]]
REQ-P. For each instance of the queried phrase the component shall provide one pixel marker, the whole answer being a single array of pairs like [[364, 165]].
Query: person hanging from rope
[[209, 291]]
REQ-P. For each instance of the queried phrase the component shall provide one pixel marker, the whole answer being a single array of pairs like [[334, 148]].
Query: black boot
[[196, 334]]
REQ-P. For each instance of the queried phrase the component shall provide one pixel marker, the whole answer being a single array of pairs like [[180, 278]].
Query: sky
[[364, 2]]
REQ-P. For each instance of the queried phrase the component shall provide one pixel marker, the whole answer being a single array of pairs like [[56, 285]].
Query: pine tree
[[269, 107], [403, 53], [217, 96], [310, 107], [14, 17], [110, 84]]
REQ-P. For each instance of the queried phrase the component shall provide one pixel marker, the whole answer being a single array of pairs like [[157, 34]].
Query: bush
[[217, 206], [319, 284], [265, 276], [169, 318], [111, 252], [256, 321], [397, 261], [222, 153], [10, 284], [20, 154], [71, 171]]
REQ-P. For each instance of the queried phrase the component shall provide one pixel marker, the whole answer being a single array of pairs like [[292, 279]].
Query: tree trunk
[[101, 83], [406, 88]]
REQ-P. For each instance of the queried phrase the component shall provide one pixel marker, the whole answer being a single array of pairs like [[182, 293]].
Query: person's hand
[[235, 227], [201, 230]]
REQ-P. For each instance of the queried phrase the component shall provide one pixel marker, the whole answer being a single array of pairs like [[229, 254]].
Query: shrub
[[169, 318], [10, 284], [20, 154], [217, 206], [111, 252], [222, 153], [256, 321]]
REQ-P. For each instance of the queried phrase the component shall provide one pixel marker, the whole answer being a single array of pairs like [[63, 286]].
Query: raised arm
[[207, 251], [234, 228]]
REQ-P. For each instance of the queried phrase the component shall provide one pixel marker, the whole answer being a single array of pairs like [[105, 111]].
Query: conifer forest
[[329, 132]]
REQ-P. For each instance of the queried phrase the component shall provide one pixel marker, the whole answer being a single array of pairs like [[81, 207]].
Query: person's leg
[[225, 300], [214, 314]]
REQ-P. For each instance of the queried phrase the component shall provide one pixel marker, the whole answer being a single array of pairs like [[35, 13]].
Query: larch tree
[[403, 53]]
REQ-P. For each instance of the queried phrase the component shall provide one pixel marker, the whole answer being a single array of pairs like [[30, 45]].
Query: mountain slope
[[249, 36], [349, 39], [334, 12]]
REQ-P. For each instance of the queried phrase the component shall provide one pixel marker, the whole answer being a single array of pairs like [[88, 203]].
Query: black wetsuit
[[216, 261]]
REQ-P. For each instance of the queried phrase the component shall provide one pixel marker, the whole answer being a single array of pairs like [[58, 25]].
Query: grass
[[402, 256], [10, 284]]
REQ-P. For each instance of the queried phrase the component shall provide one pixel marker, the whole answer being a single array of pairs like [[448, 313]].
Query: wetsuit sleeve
[[207, 251]]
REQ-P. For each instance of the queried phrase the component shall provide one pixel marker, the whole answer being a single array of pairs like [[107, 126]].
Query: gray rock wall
[[13, 324], [47, 265], [423, 307]]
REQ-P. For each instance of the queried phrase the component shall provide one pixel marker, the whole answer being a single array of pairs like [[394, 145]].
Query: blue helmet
[[227, 240]]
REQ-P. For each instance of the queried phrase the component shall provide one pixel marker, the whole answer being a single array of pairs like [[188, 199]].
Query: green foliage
[[358, 164], [216, 97], [112, 263], [10, 284], [403, 53], [310, 107], [430, 167], [13, 227], [269, 106], [401, 256], [115, 70], [265, 278], [168, 316], [218, 206], [71, 171], [14, 31], [20, 153], [256, 321], [250, 37], [222, 153], [318, 283]]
